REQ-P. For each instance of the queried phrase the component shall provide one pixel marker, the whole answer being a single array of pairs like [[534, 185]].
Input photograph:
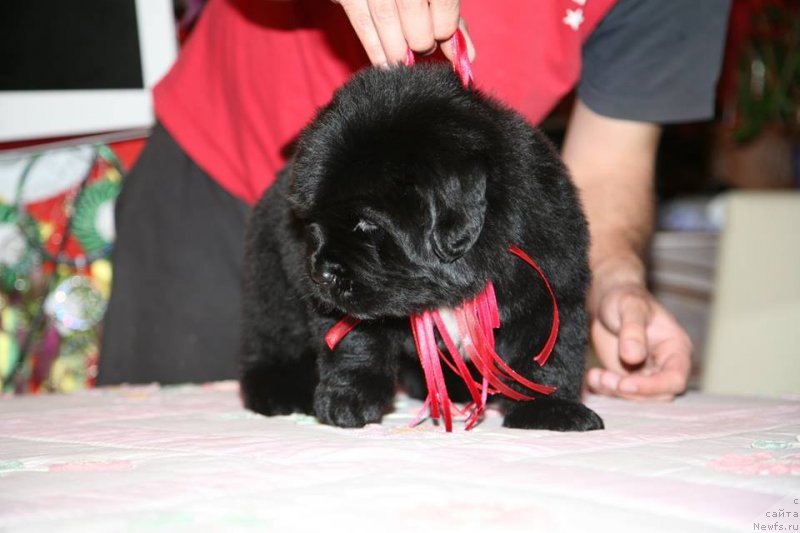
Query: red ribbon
[[477, 319], [340, 330], [461, 64], [543, 355]]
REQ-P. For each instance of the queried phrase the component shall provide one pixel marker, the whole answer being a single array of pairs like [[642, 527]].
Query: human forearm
[[612, 163]]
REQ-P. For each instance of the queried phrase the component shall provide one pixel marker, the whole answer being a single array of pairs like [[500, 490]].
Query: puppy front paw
[[271, 393], [349, 407], [554, 414]]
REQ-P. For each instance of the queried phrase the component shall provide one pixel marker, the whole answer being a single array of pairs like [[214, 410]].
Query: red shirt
[[254, 72]]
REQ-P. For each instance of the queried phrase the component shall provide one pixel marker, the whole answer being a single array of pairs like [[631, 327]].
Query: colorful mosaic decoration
[[56, 234]]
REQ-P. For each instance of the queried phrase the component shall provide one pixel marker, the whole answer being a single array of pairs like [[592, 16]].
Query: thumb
[[626, 313]]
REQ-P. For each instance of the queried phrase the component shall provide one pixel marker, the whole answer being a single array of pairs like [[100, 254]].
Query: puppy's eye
[[365, 226]]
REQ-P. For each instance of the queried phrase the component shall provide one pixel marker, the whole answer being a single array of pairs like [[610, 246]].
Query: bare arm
[[645, 351]]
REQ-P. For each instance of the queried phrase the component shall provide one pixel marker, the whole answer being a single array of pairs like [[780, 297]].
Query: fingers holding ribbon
[[389, 28]]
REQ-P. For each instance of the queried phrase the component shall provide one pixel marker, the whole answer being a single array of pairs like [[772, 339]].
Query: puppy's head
[[390, 185]]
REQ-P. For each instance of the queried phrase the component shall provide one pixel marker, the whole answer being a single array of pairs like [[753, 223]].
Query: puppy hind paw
[[552, 414], [349, 407]]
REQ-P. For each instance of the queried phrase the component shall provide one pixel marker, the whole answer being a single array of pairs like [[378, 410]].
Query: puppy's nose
[[325, 273], [324, 278]]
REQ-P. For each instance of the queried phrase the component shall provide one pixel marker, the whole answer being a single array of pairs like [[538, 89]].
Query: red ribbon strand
[[340, 330], [461, 64]]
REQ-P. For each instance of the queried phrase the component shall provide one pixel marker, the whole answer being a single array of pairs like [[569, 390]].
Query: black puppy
[[404, 194]]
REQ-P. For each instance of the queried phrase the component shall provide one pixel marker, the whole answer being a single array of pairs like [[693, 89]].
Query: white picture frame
[[27, 115]]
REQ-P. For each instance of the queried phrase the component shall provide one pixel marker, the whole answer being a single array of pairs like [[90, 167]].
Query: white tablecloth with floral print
[[189, 458]]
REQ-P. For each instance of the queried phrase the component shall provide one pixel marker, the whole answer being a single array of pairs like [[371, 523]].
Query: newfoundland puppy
[[403, 195]]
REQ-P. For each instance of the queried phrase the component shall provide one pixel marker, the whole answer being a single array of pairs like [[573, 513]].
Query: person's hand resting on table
[[644, 350]]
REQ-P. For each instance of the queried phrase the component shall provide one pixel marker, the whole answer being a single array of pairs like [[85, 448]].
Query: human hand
[[388, 28], [645, 352]]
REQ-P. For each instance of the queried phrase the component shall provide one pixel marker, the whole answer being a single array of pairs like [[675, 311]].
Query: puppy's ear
[[458, 213]]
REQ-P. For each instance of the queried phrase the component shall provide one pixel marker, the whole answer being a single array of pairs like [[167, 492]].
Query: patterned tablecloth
[[185, 458]]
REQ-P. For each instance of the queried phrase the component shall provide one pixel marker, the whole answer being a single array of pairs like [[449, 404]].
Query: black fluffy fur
[[404, 194]]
